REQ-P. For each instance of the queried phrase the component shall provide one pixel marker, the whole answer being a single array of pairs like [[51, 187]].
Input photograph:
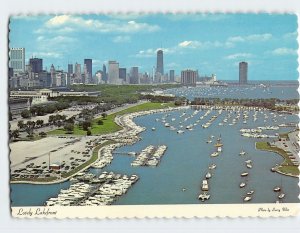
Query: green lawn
[[109, 126], [286, 166]]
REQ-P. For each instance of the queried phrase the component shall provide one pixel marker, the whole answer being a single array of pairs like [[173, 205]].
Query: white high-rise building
[[17, 59], [113, 72]]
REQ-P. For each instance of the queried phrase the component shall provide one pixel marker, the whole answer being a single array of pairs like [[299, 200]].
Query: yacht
[[153, 129], [277, 189], [247, 198], [204, 196], [249, 165], [204, 185], [242, 185], [242, 152], [212, 166], [250, 192], [214, 154], [208, 175], [244, 174], [281, 196], [209, 141], [180, 131]]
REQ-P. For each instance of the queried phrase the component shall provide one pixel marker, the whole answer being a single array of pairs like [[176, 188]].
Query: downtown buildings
[[189, 77]]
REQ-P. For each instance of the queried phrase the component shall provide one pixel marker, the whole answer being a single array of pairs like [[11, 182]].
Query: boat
[[153, 129], [281, 196], [212, 166], [214, 154], [244, 174], [248, 165], [167, 125], [209, 141], [208, 175], [250, 192], [277, 189], [219, 149], [248, 161], [242, 152], [180, 131], [204, 185], [204, 196], [183, 189], [242, 185], [219, 143], [247, 198]]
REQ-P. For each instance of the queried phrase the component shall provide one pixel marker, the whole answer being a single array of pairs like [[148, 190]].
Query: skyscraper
[[122, 74], [134, 75], [113, 72], [172, 76], [17, 59], [104, 78], [36, 64], [160, 62], [189, 77], [53, 76], [89, 66], [70, 69], [243, 72]]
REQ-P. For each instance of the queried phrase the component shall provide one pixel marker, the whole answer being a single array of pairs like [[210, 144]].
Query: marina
[[182, 156]]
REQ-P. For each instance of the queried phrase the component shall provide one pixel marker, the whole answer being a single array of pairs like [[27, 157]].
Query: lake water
[[186, 162], [250, 92]]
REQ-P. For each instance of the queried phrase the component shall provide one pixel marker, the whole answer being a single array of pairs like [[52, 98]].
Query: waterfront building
[[36, 64], [243, 72], [17, 59], [134, 75], [189, 77], [160, 62], [113, 72], [172, 76], [122, 74]]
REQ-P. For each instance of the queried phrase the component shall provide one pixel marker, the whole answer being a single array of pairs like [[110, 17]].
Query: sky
[[210, 43]]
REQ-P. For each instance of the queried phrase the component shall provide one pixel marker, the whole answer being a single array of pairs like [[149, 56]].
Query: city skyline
[[211, 43]]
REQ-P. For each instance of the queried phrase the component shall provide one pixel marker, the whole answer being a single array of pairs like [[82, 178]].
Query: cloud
[[200, 45], [238, 56], [284, 51], [121, 39], [290, 35], [103, 26], [47, 54], [250, 38]]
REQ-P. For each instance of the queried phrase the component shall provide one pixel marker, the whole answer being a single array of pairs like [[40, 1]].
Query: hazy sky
[[211, 43]]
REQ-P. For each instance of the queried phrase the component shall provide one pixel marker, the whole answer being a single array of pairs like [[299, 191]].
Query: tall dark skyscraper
[[172, 76], [70, 68], [243, 72], [104, 78], [160, 62], [36, 64], [122, 73], [89, 65]]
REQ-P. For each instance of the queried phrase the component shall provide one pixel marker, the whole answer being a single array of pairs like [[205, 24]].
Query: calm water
[[185, 164], [251, 92]]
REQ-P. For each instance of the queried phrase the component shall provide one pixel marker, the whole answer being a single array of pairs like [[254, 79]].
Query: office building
[[243, 72], [17, 59], [36, 64], [53, 76], [160, 62], [89, 68], [172, 76], [104, 74], [134, 75], [189, 77], [70, 69], [113, 72], [122, 74]]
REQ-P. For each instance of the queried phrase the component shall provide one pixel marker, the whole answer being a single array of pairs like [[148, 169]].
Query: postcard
[[153, 115]]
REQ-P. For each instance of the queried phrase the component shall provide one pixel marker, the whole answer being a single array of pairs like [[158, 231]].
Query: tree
[[10, 116], [100, 122], [86, 125], [21, 124], [25, 113], [15, 134], [39, 123], [29, 128], [88, 132], [69, 127], [104, 115], [42, 134]]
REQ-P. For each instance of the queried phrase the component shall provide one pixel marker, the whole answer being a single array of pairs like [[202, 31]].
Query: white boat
[[219, 149], [153, 129], [167, 125], [248, 161], [204, 185], [277, 189], [180, 131], [214, 154], [249, 165], [204, 196], [242, 152], [242, 185], [282, 195], [250, 192], [209, 141], [244, 174], [208, 175], [247, 198], [212, 166]]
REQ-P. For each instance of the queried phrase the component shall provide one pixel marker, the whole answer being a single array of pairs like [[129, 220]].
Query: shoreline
[[128, 128]]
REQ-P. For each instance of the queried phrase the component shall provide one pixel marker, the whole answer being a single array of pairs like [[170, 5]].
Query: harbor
[[187, 160]]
